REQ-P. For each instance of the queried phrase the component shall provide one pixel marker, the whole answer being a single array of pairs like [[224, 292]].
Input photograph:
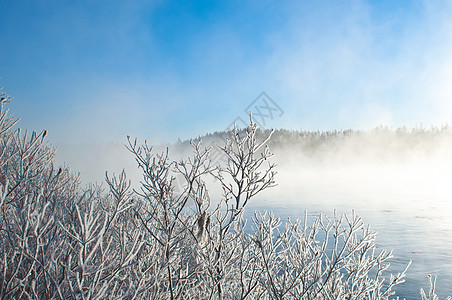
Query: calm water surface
[[415, 228]]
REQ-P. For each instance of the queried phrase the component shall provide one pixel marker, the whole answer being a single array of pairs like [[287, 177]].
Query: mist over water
[[398, 181], [401, 186]]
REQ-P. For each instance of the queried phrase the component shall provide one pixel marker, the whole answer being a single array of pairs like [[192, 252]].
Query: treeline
[[379, 141]]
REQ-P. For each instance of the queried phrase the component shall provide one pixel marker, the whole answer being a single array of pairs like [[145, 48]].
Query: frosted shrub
[[205, 252], [59, 241], [431, 294], [31, 192], [332, 258]]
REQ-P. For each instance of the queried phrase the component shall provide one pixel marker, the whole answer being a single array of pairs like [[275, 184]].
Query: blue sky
[[100, 70]]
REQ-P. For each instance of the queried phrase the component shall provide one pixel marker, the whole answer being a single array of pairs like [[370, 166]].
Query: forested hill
[[380, 141], [289, 146]]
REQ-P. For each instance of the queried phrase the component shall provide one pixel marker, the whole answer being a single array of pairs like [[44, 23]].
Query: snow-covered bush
[[61, 241], [57, 240]]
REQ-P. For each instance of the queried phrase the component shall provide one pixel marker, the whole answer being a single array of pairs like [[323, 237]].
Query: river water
[[412, 214]]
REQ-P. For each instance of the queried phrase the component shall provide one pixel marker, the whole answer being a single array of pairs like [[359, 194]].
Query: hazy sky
[[99, 70]]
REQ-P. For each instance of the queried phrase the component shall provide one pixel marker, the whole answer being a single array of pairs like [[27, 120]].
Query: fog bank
[[383, 167]]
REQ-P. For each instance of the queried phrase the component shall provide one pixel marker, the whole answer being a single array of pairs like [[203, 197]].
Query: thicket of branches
[[61, 241]]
